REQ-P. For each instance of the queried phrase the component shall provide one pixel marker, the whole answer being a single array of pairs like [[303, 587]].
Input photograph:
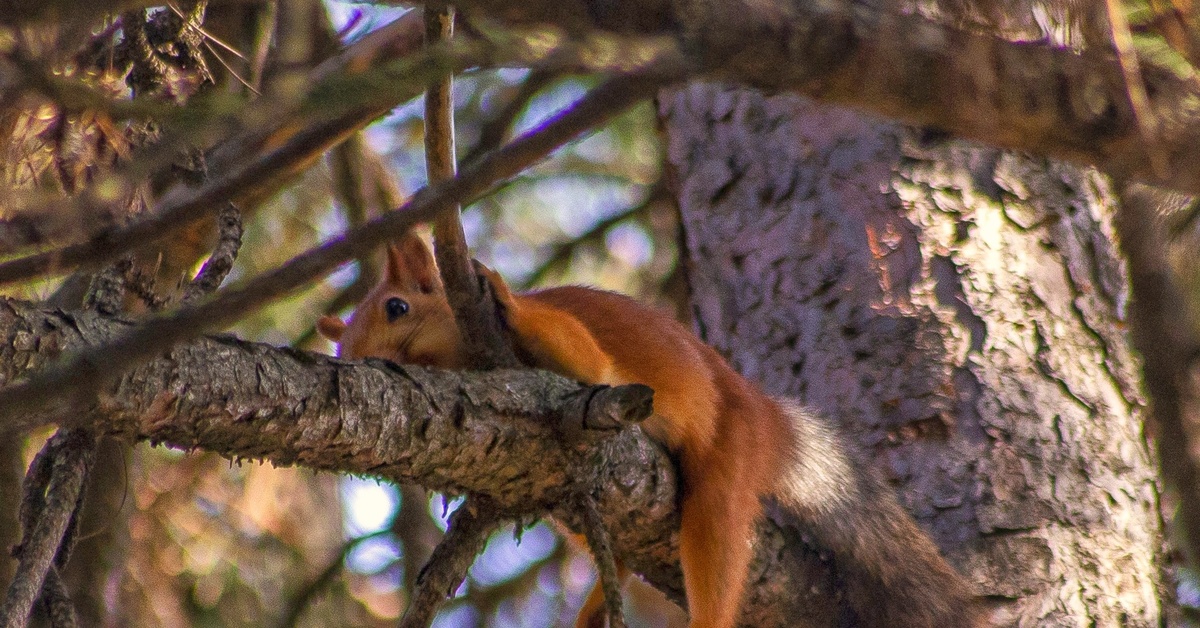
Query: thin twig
[[302, 600], [214, 271], [87, 370], [598, 540], [418, 535], [466, 536], [353, 163], [563, 251], [346, 162], [207, 35]]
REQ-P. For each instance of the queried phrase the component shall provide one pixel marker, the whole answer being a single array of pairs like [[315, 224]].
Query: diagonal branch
[[46, 518], [468, 532], [88, 370], [238, 174], [338, 105], [270, 129]]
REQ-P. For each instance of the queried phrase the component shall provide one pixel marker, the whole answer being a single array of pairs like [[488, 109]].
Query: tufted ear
[[410, 265], [331, 327]]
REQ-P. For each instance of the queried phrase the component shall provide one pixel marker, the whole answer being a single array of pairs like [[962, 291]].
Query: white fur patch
[[819, 476]]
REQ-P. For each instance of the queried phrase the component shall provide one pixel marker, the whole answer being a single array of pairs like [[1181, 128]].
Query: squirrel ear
[[411, 262], [331, 327]]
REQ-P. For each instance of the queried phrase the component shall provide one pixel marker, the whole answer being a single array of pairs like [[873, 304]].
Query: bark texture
[[959, 310], [876, 56], [496, 434]]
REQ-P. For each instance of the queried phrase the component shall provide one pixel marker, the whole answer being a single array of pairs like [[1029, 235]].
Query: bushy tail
[[890, 570]]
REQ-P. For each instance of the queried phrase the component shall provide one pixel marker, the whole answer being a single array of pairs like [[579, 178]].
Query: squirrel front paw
[[500, 290]]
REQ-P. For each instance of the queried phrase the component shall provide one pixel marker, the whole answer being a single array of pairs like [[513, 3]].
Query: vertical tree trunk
[[958, 309]]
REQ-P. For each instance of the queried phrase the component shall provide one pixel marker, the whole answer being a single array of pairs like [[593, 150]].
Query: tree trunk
[[959, 311]]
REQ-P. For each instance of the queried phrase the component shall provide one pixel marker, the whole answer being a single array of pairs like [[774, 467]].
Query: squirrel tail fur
[[889, 570]]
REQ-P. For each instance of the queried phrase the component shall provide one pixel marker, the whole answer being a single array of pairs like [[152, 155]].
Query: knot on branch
[[605, 409]]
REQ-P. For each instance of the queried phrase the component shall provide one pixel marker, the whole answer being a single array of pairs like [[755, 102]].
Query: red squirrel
[[734, 442]]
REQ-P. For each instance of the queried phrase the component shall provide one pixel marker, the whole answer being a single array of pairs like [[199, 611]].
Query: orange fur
[[735, 443]]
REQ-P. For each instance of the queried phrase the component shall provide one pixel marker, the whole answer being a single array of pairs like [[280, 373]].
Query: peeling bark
[[960, 310]]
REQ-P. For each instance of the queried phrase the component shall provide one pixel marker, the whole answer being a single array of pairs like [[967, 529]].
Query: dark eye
[[395, 308]]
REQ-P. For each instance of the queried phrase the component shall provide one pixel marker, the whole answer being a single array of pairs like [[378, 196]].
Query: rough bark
[[496, 434], [959, 310], [1031, 96]]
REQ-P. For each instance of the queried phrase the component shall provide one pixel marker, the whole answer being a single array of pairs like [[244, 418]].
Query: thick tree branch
[[493, 433], [1022, 95]]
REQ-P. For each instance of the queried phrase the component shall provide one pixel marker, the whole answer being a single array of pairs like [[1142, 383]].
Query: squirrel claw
[[499, 287]]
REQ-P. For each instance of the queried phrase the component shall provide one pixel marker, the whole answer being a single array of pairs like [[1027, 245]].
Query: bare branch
[[300, 603], [363, 187], [394, 41], [336, 115], [597, 538], [214, 271], [561, 253], [469, 529], [474, 311], [86, 371], [486, 346], [60, 611], [495, 129]]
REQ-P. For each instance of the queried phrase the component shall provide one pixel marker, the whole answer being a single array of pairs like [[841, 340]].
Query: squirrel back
[[735, 443]]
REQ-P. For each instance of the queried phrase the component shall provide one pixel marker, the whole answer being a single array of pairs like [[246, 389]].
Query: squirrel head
[[405, 318]]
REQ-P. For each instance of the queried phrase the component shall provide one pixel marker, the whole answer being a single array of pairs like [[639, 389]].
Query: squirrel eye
[[395, 308]]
